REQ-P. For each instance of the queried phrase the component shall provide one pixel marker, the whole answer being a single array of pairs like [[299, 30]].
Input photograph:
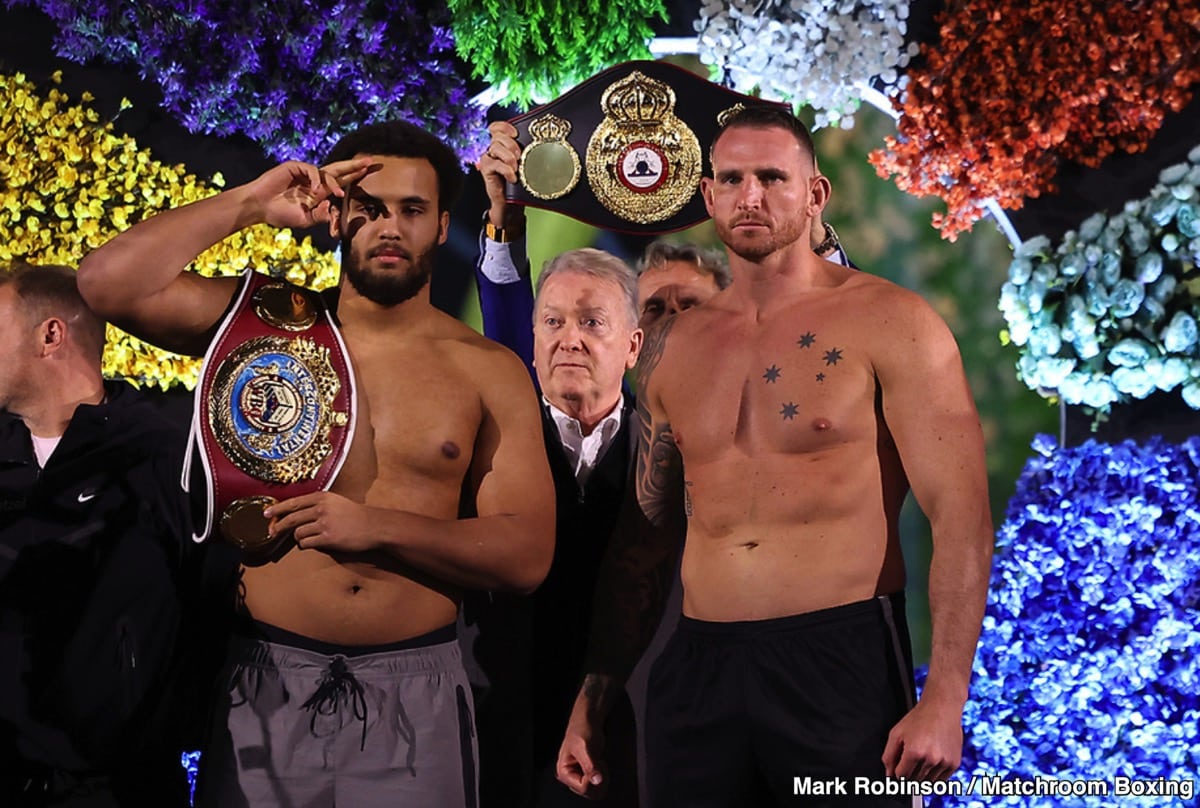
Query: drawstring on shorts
[[338, 684]]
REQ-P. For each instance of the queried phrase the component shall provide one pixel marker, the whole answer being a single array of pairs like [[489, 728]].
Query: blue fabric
[[507, 308]]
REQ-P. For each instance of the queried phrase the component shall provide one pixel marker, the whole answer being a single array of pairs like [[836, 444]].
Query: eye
[[593, 322], [373, 209]]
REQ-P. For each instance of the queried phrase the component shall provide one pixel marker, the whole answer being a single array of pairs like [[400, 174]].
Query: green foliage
[[539, 48]]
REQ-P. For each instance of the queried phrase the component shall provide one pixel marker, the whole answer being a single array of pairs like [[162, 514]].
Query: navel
[[450, 449]]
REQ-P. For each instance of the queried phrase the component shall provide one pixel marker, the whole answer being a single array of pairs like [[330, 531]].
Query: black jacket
[[531, 650], [92, 549]]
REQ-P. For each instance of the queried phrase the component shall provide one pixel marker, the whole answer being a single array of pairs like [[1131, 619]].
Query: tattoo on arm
[[640, 563], [652, 351]]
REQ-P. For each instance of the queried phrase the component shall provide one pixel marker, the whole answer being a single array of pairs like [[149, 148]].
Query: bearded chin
[[387, 289]]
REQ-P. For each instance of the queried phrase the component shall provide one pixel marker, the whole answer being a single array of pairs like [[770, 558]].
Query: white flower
[[1168, 373], [1191, 395], [1099, 392], [1180, 334], [1134, 382], [817, 53]]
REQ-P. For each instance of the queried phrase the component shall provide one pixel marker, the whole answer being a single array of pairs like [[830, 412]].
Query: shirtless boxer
[[794, 410], [348, 687]]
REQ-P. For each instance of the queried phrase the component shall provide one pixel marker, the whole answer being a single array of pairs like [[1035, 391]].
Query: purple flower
[[242, 66]]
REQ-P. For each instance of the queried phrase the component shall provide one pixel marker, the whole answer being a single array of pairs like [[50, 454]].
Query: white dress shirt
[[584, 451]]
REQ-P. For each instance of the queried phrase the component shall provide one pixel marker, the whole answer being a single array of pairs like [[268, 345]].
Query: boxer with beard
[[345, 684]]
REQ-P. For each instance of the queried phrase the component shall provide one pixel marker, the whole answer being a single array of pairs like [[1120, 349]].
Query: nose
[[750, 194], [387, 225], [570, 338]]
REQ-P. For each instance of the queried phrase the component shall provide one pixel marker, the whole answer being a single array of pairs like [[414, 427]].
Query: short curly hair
[[403, 139]]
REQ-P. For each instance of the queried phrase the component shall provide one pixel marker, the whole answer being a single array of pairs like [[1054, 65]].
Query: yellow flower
[[100, 183]]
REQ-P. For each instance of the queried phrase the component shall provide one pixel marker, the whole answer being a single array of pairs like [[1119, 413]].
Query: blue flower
[[1089, 661], [1127, 296], [1180, 334], [1149, 267], [1188, 220]]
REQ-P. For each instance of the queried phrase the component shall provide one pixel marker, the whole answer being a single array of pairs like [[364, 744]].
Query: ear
[[443, 226], [819, 194], [335, 219], [51, 336], [635, 347], [706, 191]]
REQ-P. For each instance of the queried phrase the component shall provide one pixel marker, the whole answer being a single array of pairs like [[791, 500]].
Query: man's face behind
[[761, 194], [16, 346], [583, 341], [389, 226], [670, 288]]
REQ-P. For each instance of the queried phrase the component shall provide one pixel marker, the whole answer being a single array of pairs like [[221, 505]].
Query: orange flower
[[1013, 88]]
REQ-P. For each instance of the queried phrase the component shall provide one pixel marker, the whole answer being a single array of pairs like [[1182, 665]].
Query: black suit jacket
[[530, 650]]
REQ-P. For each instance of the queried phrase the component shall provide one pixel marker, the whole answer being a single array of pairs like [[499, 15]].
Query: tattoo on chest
[[790, 410]]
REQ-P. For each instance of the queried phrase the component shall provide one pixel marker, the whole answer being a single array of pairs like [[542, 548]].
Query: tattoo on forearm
[[659, 470]]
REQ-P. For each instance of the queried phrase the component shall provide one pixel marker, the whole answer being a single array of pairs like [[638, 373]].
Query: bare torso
[[419, 415], [793, 483]]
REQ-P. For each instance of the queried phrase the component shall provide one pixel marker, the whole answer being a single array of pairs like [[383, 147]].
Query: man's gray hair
[[706, 262], [598, 264]]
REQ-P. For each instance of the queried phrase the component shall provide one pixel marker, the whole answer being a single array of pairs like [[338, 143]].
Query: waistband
[[428, 653], [257, 630], [890, 607]]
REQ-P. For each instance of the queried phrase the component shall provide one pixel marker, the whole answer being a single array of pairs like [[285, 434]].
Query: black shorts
[[736, 712]]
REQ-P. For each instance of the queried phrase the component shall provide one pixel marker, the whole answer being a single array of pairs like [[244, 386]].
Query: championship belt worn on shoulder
[[274, 413]]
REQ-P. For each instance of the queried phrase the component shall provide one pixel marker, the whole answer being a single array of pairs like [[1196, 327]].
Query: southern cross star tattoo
[[807, 340], [820, 377], [772, 375], [832, 357], [789, 411]]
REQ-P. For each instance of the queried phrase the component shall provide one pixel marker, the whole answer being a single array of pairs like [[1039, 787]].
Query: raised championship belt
[[625, 150], [274, 411]]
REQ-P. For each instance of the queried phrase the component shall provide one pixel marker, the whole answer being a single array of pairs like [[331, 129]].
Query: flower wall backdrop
[[293, 75], [1110, 313], [536, 49], [1089, 663], [1011, 88], [817, 53], [68, 183]]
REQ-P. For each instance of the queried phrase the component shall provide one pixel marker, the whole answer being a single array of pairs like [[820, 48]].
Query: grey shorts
[[303, 729]]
